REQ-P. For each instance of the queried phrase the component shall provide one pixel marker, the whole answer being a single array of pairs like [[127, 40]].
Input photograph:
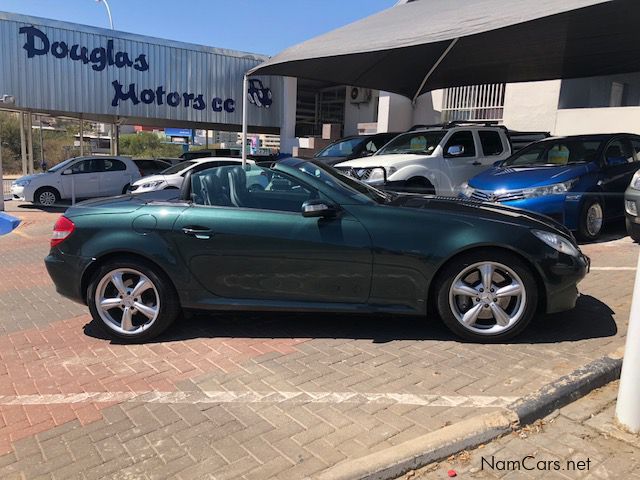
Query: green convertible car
[[311, 240]]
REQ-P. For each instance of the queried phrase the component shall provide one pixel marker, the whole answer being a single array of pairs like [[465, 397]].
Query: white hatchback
[[79, 177], [172, 177]]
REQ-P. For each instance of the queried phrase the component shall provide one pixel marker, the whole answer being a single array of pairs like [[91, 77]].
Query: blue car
[[578, 181]]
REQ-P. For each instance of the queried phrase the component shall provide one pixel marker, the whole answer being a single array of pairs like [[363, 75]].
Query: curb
[[435, 446]]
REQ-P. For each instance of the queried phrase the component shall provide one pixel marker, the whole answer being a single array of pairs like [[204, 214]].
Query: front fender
[[437, 178]]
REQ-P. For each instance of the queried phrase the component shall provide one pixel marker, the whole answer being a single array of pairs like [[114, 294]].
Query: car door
[[82, 179], [465, 162], [619, 165], [113, 177], [251, 244]]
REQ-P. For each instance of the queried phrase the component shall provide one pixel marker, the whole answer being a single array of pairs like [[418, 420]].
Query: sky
[[256, 26]]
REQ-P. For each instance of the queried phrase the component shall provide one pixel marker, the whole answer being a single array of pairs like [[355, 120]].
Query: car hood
[[150, 178], [489, 211], [380, 160], [513, 178], [123, 204], [30, 177]]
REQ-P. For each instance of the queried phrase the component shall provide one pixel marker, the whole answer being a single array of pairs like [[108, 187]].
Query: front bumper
[[562, 278], [67, 271], [17, 192]]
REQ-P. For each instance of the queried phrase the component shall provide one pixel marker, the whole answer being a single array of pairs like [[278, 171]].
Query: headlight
[[555, 189], [466, 190], [376, 176], [152, 184], [635, 181], [21, 183], [557, 242]]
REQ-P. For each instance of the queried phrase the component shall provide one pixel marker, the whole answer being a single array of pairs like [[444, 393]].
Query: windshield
[[61, 165], [420, 143], [340, 149], [346, 185], [554, 153], [178, 167]]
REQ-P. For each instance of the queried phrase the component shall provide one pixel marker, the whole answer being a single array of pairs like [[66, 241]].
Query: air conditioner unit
[[360, 95]]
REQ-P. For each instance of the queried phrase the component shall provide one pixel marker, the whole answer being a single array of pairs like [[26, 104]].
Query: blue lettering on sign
[[38, 43]]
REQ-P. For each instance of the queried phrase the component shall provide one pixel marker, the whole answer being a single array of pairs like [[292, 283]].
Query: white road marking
[[607, 269], [213, 397]]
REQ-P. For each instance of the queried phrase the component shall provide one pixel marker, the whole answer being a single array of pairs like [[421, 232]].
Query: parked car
[[356, 146], [149, 166], [84, 177], [313, 240], [172, 177], [578, 181], [435, 160], [631, 204]]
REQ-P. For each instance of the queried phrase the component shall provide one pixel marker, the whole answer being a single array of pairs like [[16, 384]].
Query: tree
[[147, 144]]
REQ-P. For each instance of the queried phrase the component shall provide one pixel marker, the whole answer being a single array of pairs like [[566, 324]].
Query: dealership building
[[61, 69]]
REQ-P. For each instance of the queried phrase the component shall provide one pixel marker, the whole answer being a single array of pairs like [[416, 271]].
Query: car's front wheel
[[46, 196], [132, 300], [591, 220], [633, 230], [486, 295]]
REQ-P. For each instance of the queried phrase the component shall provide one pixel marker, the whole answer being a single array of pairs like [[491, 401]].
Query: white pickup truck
[[437, 159]]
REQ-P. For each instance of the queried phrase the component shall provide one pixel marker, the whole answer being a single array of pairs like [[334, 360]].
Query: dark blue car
[[579, 181]]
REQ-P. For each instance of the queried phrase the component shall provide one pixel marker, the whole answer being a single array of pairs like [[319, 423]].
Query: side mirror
[[317, 208], [455, 150], [68, 171]]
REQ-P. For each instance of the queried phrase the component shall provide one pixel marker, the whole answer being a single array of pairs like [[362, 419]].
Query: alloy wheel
[[594, 219], [127, 301], [487, 298], [47, 198]]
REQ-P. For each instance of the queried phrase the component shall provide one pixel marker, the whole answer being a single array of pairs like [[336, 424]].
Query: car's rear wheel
[[633, 230], [131, 300], [591, 220], [46, 196], [486, 295]]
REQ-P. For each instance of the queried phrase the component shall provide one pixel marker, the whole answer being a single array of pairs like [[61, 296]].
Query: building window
[[475, 102]]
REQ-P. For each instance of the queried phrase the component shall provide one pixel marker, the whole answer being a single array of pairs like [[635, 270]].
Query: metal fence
[[475, 102], [6, 188]]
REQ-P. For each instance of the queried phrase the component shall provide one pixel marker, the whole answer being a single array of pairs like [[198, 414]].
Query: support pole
[[81, 136], [116, 149], [1, 177], [628, 405], [30, 141], [245, 105], [42, 160], [111, 144], [433, 69], [23, 144], [206, 139]]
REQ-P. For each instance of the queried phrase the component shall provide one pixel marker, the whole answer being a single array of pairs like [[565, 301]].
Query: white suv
[[82, 177], [432, 160]]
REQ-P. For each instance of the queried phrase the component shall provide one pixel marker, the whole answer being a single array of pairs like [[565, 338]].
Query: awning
[[429, 44]]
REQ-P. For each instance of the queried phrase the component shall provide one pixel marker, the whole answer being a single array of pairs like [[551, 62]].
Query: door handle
[[476, 163], [202, 233]]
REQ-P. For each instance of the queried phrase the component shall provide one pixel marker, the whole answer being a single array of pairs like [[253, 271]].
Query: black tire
[[476, 333], [633, 230], [126, 188], [167, 297], [420, 185], [585, 232], [43, 194]]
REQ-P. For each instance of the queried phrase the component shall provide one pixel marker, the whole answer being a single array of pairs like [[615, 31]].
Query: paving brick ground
[[258, 395], [579, 441]]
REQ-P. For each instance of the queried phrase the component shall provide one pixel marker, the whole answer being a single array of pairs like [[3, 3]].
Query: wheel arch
[[94, 266], [542, 291]]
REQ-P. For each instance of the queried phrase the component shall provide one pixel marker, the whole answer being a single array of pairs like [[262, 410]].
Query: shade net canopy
[[483, 41]]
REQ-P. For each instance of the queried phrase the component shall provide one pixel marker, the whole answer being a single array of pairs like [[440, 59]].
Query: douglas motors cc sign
[[73, 68]]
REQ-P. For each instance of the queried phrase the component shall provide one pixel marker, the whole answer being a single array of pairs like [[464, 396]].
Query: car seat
[[558, 155], [238, 187], [614, 156]]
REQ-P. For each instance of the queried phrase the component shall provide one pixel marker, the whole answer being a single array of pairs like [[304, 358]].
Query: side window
[[636, 149], [113, 165], [86, 166], [254, 187], [491, 142], [618, 153], [463, 138]]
